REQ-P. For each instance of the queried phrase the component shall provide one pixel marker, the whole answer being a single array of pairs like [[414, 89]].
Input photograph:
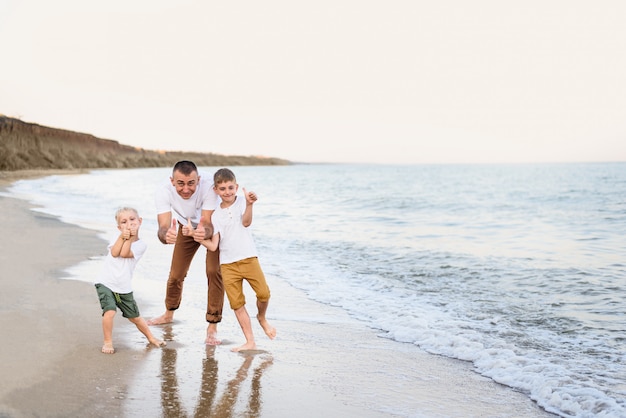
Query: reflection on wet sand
[[215, 400]]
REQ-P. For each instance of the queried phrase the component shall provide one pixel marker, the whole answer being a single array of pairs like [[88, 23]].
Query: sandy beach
[[49, 325], [336, 366]]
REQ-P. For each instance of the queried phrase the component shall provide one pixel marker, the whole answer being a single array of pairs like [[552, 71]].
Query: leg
[[270, 331], [142, 326], [184, 250], [215, 296], [107, 330], [244, 322], [211, 335], [256, 278]]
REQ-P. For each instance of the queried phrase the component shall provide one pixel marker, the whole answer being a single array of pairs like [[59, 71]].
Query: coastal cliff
[[28, 146]]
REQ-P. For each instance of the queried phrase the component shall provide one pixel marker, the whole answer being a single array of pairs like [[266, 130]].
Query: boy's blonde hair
[[222, 175], [124, 209]]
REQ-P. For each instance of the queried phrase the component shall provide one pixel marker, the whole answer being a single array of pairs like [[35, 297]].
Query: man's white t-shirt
[[204, 198]]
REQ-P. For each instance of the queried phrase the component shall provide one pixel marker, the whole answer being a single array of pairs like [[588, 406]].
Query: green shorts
[[109, 300]]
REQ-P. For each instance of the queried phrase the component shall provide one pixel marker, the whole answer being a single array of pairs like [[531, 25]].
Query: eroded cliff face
[[25, 146], [30, 146]]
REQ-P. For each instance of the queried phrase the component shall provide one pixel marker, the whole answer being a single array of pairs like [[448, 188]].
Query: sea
[[518, 269]]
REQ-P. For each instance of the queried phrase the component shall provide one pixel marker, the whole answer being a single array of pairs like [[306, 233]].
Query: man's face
[[185, 185]]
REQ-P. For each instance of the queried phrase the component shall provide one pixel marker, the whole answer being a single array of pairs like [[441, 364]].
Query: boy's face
[[185, 185], [227, 190], [128, 219]]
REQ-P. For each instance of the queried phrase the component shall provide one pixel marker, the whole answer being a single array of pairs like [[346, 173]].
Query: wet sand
[[51, 329], [322, 363]]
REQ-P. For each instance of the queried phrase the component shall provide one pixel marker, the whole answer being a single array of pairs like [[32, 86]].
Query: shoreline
[[329, 366], [52, 326]]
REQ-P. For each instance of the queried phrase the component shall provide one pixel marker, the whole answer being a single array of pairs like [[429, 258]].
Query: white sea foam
[[516, 269]]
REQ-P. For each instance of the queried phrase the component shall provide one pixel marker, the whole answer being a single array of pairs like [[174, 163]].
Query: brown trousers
[[184, 250]]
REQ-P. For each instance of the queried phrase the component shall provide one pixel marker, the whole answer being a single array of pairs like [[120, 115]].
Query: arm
[[122, 246], [211, 243], [205, 227], [167, 228], [251, 197]]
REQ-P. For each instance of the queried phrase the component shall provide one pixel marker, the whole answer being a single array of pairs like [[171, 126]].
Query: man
[[192, 200]]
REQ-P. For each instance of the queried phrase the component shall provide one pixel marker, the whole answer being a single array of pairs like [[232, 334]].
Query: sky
[[356, 81]]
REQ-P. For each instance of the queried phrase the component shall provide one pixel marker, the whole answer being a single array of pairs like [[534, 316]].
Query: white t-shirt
[[236, 241], [117, 272], [204, 198]]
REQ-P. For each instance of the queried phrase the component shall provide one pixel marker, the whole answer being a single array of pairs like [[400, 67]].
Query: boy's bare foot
[[158, 343], [107, 348], [166, 318], [246, 346], [270, 331], [211, 335]]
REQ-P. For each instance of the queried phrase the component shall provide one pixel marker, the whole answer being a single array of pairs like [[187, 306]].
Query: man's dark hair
[[185, 167]]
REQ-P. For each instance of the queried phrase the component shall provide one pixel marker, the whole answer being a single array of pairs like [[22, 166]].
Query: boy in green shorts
[[114, 283]]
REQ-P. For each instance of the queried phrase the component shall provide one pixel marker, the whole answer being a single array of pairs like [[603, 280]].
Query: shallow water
[[518, 269]]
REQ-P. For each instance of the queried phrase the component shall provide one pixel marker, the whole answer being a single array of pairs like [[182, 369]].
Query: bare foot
[[211, 335], [270, 331], [211, 339], [246, 346], [166, 318], [158, 343], [107, 348]]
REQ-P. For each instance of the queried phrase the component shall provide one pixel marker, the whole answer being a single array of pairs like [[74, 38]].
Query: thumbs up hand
[[200, 232], [126, 233], [188, 229], [172, 233], [251, 197]]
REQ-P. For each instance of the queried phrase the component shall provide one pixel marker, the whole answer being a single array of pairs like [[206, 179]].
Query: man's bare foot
[[107, 348], [166, 318], [246, 346], [211, 335], [270, 331], [158, 343], [211, 339]]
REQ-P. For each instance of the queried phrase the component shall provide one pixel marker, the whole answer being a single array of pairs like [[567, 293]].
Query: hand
[[125, 233], [172, 233], [188, 229], [200, 232], [251, 197]]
